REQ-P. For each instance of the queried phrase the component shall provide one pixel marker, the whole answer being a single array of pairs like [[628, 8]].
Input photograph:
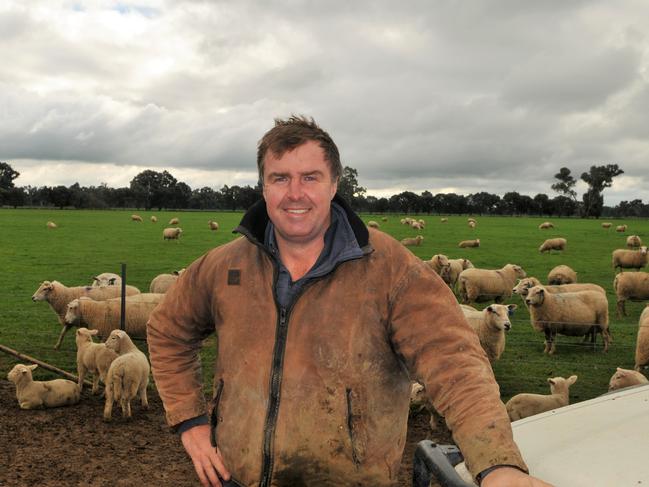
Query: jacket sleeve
[[175, 332], [441, 350]]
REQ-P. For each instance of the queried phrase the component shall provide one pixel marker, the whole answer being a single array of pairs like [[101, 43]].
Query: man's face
[[298, 190]]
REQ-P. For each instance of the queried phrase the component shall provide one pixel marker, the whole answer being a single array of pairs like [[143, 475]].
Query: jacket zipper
[[214, 416]]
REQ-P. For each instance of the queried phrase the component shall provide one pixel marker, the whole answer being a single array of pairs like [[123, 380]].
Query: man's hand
[[511, 477], [207, 460]]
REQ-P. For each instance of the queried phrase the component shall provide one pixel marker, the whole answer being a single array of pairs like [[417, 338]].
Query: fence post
[[122, 317]]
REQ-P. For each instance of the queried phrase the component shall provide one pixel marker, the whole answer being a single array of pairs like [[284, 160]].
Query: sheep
[[469, 243], [154, 219], [625, 378], [171, 233], [92, 357], [523, 405], [419, 400], [621, 228], [455, 267], [630, 259], [553, 244], [439, 263], [413, 241], [373, 224], [545, 226], [128, 375], [213, 225], [477, 285], [570, 314], [606, 225], [491, 324], [416, 225], [34, 394], [174, 221], [642, 342], [562, 274], [630, 285], [443, 220], [633, 241], [58, 296], [472, 224], [136, 218], [384, 219], [162, 282], [51, 225], [470, 219], [525, 284], [106, 279], [422, 222]]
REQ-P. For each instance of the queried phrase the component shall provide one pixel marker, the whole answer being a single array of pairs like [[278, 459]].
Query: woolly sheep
[[523, 405], [422, 222], [633, 241], [444, 220], [472, 224], [491, 324], [106, 279], [171, 233], [416, 225], [34, 394], [128, 375], [440, 264], [174, 221], [419, 400], [570, 314], [642, 342], [154, 219], [545, 226], [469, 243], [621, 228], [373, 224], [470, 219], [525, 284], [625, 378], [51, 225], [213, 225], [384, 219], [413, 241], [630, 259], [136, 218], [553, 244], [630, 286], [475, 285], [606, 225], [562, 274], [162, 282], [92, 358], [456, 266]]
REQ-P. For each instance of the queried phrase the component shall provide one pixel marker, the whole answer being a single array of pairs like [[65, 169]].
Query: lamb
[[633, 241], [475, 285], [491, 324], [630, 285], [58, 296], [523, 405], [154, 219], [34, 394], [553, 244], [136, 218], [630, 259], [106, 279], [92, 357], [413, 241], [440, 264], [625, 378], [128, 375], [456, 266], [213, 225], [469, 243], [621, 228], [570, 314], [51, 225], [472, 224], [174, 221], [642, 342], [606, 225], [562, 274], [162, 282], [545, 226], [171, 233], [373, 224]]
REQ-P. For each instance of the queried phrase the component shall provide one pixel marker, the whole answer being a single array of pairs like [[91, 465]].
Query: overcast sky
[[442, 95]]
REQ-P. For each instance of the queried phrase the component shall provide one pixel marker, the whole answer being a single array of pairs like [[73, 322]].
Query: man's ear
[[334, 188]]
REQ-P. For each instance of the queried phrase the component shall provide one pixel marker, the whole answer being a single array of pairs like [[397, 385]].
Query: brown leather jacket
[[319, 396]]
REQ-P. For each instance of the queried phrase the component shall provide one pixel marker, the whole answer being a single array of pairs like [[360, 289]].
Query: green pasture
[[87, 243]]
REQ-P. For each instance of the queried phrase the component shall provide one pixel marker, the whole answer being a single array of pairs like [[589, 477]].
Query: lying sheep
[[475, 285], [491, 324], [416, 225], [384, 219], [154, 219], [106, 279], [34, 394], [630, 286], [171, 233], [523, 405], [630, 259], [92, 358], [570, 314], [443, 220], [128, 375], [553, 244], [373, 224], [136, 218], [213, 225], [545, 226], [456, 266], [162, 282], [621, 228], [469, 243], [642, 342], [174, 221], [633, 241], [51, 225], [625, 378], [606, 225], [562, 274], [413, 241]]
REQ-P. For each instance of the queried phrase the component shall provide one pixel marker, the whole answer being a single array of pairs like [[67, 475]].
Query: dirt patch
[[72, 446]]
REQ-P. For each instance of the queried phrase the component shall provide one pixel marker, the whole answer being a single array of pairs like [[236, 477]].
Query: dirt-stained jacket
[[318, 395]]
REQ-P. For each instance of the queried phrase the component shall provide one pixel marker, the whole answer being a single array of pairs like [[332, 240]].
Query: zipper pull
[[282, 316]]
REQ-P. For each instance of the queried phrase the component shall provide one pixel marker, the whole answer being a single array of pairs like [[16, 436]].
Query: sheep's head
[[73, 313], [85, 335], [559, 384], [43, 290], [114, 340], [523, 286], [21, 372], [535, 296], [643, 250], [498, 316], [467, 264]]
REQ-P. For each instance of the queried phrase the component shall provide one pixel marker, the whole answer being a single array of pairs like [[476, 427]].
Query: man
[[321, 325]]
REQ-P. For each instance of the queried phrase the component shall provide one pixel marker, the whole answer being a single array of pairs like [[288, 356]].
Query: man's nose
[[295, 189]]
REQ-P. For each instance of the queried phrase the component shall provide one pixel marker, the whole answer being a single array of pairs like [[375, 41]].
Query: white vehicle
[[602, 442]]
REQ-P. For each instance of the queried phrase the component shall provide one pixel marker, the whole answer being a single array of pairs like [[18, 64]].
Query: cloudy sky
[[422, 95]]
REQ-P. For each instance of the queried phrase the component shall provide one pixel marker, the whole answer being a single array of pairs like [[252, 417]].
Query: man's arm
[[511, 477]]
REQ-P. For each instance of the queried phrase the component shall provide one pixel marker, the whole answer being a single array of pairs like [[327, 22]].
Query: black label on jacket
[[234, 277]]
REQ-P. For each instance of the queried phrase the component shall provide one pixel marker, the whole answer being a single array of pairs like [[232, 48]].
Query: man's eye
[[309, 178]]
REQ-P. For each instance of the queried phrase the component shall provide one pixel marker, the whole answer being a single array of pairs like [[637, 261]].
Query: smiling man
[[321, 324]]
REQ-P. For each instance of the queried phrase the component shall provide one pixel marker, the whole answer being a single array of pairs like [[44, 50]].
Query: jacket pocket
[[355, 427], [214, 415]]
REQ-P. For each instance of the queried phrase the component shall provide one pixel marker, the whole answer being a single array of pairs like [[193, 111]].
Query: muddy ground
[[72, 446]]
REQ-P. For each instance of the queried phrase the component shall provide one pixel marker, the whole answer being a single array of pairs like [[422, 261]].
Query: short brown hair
[[288, 134]]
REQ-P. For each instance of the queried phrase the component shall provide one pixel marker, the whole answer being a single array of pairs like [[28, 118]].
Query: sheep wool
[[523, 405], [93, 358], [562, 274], [491, 324], [630, 286], [630, 259], [32, 394], [625, 378], [479, 285], [642, 342]]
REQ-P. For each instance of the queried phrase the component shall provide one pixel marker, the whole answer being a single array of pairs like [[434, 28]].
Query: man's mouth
[[297, 211]]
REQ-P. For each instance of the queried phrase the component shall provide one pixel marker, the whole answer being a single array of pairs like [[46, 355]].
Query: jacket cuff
[[480, 477], [190, 423]]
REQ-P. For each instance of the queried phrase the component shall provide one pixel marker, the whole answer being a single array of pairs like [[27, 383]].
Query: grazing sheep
[[51, 225], [633, 241], [128, 375], [154, 219], [92, 357], [523, 405], [416, 225], [553, 244], [545, 226], [162, 282], [491, 324], [472, 224], [455, 267], [529, 282], [630, 286], [570, 314], [642, 342], [413, 241], [373, 224], [106, 279], [465, 244], [562, 274], [440, 264], [470, 219], [475, 285], [606, 225], [174, 221], [171, 233], [213, 225], [621, 228], [444, 220], [625, 378], [136, 218], [630, 259], [34, 394]]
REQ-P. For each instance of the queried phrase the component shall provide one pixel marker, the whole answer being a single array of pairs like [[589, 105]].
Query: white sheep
[[630, 286], [34, 394], [472, 224], [491, 324], [621, 228], [416, 241], [106, 279], [606, 225], [136, 218], [416, 225], [384, 219], [642, 342], [562, 274], [523, 405], [630, 259], [525, 284], [465, 244], [154, 219], [171, 233], [553, 244], [440, 264], [471, 219], [633, 241], [545, 226], [162, 282], [443, 220], [475, 285], [570, 314], [174, 221], [92, 358], [373, 224], [128, 375], [626, 378], [51, 225], [213, 225], [456, 266]]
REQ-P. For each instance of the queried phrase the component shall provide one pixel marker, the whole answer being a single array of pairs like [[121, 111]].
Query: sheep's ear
[[93, 332], [175, 273], [95, 278], [572, 379], [511, 308], [551, 381], [112, 280], [32, 367], [490, 309]]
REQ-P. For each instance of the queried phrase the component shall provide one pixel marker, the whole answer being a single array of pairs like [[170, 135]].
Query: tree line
[[161, 190]]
